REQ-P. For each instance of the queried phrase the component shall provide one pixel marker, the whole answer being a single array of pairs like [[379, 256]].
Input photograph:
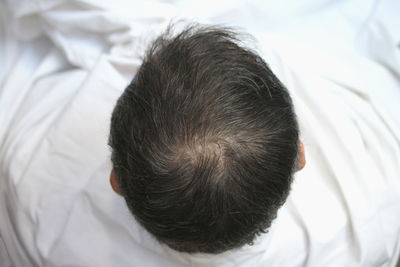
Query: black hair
[[204, 141]]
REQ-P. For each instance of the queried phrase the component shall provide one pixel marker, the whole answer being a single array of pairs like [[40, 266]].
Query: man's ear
[[114, 182], [301, 158]]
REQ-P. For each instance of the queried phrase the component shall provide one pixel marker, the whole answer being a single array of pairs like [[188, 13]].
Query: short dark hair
[[204, 141]]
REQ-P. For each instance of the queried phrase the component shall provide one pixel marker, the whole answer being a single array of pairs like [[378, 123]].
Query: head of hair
[[204, 142]]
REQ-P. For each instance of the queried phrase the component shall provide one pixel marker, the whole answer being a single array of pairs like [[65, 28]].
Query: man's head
[[204, 142]]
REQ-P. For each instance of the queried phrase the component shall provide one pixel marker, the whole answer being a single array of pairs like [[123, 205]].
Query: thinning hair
[[204, 141]]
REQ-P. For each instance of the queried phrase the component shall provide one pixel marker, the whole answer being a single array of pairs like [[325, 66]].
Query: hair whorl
[[204, 142]]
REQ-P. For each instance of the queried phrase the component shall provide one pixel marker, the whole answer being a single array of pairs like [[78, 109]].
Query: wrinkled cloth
[[64, 64]]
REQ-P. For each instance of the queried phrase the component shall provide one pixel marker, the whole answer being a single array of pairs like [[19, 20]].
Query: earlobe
[[301, 158], [114, 182]]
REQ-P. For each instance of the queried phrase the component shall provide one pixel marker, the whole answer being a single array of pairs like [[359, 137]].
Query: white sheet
[[340, 61]]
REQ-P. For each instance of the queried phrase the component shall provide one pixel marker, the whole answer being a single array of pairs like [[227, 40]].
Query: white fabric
[[64, 64]]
